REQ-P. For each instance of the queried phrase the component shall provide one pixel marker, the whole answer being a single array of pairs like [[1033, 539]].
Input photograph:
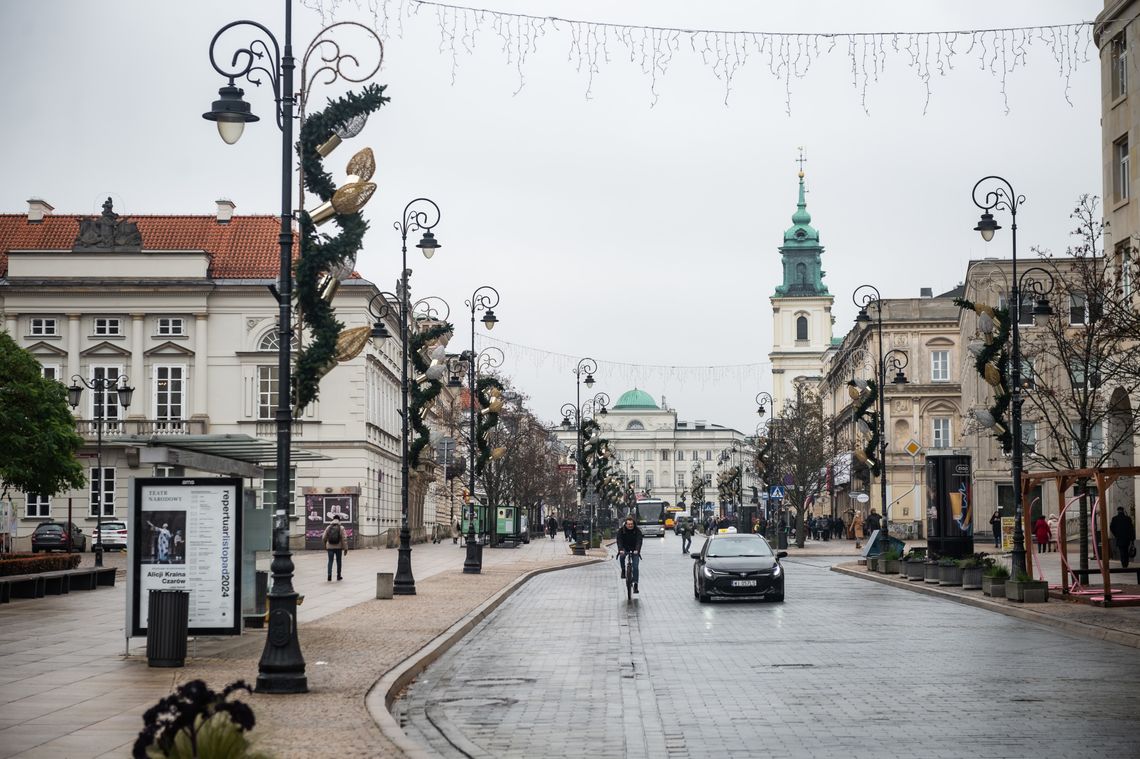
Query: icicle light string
[[787, 55], [746, 376]]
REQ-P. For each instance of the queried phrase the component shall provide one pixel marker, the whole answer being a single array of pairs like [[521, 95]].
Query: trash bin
[[168, 615], [384, 584]]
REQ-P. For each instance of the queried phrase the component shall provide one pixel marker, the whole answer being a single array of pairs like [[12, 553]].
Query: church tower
[[801, 307]]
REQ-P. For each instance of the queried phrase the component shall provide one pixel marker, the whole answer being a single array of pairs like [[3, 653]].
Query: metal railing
[[115, 427]]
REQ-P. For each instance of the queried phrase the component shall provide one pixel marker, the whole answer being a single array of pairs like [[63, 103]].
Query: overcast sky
[[629, 233]]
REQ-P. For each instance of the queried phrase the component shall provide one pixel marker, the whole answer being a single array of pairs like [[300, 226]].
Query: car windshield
[[49, 528], [113, 526], [745, 545]]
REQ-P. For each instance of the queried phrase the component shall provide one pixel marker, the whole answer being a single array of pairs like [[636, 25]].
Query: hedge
[[26, 564]]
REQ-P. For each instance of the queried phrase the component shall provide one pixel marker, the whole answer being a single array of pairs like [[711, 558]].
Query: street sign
[[913, 448], [776, 491], [567, 467]]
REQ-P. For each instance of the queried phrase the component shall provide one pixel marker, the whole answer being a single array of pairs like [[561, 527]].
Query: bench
[[26, 586], [5, 591], [55, 583], [1083, 574]]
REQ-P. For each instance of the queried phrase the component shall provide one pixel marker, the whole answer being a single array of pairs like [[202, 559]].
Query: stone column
[[73, 325], [199, 377], [140, 406]]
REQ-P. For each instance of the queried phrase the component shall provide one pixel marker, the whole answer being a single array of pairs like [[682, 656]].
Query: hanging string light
[[787, 56]]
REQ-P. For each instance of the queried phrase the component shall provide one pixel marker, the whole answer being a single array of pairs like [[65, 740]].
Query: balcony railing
[[115, 427]]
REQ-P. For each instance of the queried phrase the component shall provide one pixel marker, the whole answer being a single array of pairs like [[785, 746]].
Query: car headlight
[[777, 570], [709, 574]]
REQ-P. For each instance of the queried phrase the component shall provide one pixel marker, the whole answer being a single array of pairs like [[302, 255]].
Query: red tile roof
[[246, 248]]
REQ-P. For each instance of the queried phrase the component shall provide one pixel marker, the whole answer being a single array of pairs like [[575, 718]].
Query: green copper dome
[[635, 399], [800, 255], [801, 232]]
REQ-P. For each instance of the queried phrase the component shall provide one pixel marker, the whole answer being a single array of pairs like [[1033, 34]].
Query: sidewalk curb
[[380, 697], [1120, 637]]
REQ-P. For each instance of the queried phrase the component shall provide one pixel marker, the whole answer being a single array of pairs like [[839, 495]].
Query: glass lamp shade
[[489, 319], [231, 113], [565, 421], [428, 244], [230, 131], [125, 393], [74, 394], [589, 381], [987, 226]]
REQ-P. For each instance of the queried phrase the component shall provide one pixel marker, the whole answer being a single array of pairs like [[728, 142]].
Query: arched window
[[635, 425], [801, 328], [801, 273], [649, 479], [271, 342]]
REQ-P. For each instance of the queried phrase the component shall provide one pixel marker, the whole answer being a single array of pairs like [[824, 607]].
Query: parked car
[[58, 536], [738, 565], [114, 535]]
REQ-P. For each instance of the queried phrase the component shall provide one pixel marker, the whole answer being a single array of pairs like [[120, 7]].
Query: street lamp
[[101, 386], [581, 411], [865, 296], [1003, 197], [764, 402], [484, 299], [281, 668]]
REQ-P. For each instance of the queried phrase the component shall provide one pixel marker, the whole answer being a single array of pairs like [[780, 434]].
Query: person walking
[[1054, 532], [336, 544], [874, 521], [995, 525], [686, 535], [552, 527], [1041, 534], [456, 531], [1124, 533]]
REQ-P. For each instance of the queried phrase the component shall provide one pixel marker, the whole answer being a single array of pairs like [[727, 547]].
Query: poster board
[[321, 505], [185, 534]]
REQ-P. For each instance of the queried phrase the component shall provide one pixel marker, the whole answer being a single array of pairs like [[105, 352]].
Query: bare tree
[[803, 449]]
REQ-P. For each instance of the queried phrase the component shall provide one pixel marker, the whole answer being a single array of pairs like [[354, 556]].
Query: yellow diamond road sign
[[912, 448]]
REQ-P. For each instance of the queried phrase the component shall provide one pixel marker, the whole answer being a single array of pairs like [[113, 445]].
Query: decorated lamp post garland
[[322, 256], [991, 359], [864, 393], [427, 385], [489, 392]]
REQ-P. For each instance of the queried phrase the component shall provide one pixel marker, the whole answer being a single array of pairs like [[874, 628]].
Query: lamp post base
[[98, 551], [282, 668], [473, 564], [403, 584]]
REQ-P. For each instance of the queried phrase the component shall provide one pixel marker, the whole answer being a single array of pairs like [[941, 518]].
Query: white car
[[114, 535]]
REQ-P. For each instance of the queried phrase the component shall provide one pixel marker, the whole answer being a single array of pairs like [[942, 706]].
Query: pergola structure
[[1105, 477]]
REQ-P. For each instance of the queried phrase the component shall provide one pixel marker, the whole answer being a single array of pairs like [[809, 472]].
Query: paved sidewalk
[[68, 690]]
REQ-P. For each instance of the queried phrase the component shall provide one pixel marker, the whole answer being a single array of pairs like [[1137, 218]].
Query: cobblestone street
[[843, 668]]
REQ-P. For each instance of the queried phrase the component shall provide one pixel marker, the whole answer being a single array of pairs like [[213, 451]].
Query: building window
[[1006, 504], [102, 491], [695, 455], [108, 326], [266, 392], [1026, 313], [648, 480], [169, 398], [680, 455], [636, 454], [708, 478], [110, 408], [708, 455], [1029, 437], [1120, 163], [635, 425], [50, 371], [37, 506], [801, 328], [44, 327], [1078, 309], [664, 455], [940, 366], [941, 425], [1095, 446], [1125, 270], [636, 479], [1119, 64], [680, 479], [269, 487], [171, 326], [1028, 373]]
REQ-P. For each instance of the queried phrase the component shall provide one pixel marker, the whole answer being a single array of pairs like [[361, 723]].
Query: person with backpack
[[336, 544]]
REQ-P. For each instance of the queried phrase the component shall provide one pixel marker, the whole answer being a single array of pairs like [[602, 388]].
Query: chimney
[[38, 209], [225, 210], [926, 292]]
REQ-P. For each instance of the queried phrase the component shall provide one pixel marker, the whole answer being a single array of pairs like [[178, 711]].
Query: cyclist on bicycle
[[629, 538]]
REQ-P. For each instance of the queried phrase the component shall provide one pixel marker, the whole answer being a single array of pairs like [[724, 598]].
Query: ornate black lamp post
[[484, 299], [580, 412], [763, 403], [101, 386], [281, 668], [1004, 198], [864, 297]]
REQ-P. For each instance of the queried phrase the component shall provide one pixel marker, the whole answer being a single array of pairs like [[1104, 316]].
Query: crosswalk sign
[[776, 491]]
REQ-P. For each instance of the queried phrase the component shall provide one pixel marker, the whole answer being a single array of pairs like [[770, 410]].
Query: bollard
[[384, 584]]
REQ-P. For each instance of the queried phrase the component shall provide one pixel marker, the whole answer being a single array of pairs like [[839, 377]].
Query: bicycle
[[628, 576]]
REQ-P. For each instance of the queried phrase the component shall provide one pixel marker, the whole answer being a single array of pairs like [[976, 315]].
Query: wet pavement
[[842, 668]]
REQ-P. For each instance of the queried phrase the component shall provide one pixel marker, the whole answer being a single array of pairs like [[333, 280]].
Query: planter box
[[915, 570], [933, 573], [889, 566], [993, 586], [971, 578], [1029, 591], [951, 575], [873, 564]]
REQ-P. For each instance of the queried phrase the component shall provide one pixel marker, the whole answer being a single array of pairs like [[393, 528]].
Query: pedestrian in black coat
[[1124, 533]]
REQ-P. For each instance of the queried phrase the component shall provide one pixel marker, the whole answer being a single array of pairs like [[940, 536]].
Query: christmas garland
[[871, 419], [992, 363], [585, 475], [321, 253], [487, 420], [424, 391], [728, 483]]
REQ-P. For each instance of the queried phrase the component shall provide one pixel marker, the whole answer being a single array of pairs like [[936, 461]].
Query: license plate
[[744, 583]]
